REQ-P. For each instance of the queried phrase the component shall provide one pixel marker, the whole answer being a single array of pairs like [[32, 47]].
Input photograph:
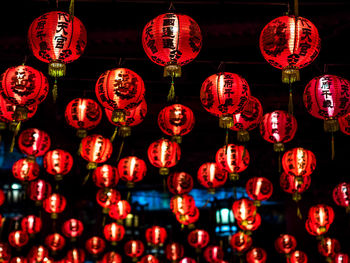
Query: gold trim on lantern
[[57, 69], [91, 166], [21, 113], [278, 147], [130, 184], [54, 216], [105, 210], [296, 197], [234, 176], [257, 203], [225, 121], [290, 74], [243, 136], [118, 116], [58, 177], [331, 125], [124, 131], [81, 133], [163, 171], [211, 190], [177, 139], [172, 70]]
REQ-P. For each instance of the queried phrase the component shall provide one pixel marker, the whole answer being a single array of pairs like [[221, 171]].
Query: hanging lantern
[[180, 183], [298, 257], [18, 239], [25, 170], [198, 239], [213, 254], [189, 219], [83, 114], [39, 190], [341, 258], [211, 176], [187, 260], [134, 249], [149, 259], [113, 233], [259, 189], [111, 257], [37, 254], [131, 169], [105, 176], [240, 242], [292, 185], [34, 142], [95, 245], [58, 163], [328, 247], [224, 94], [156, 236], [119, 210], [182, 204], [174, 251], [17, 260], [54, 204], [285, 244], [251, 225], [55, 242], [31, 224], [341, 195], [243, 210], [290, 43], [321, 216], [164, 154], [106, 197], [75, 255], [344, 123], [5, 252], [233, 159], [72, 228], [256, 255], [314, 230], [176, 120], [95, 149], [278, 127], [248, 119]]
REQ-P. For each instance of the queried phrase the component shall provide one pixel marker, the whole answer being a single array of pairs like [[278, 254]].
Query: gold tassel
[[333, 149], [290, 103], [18, 127], [171, 94], [71, 10], [243, 136], [86, 178], [299, 215], [128, 196], [120, 150], [114, 134], [79, 149], [54, 91]]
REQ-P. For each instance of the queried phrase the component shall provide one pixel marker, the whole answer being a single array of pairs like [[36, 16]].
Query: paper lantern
[[299, 162], [31, 224], [18, 238], [2, 198], [18, 260], [37, 254], [328, 247], [34, 142], [250, 225], [55, 242], [213, 253], [187, 260], [72, 228], [75, 255], [119, 210], [112, 257], [285, 244], [344, 123], [292, 185], [174, 251], [113, 233], [259, 189], [256, 255], [132, 169], [149, 259], [156, 236], [25, 170], [211, 176], [182, 204], [314, 230], [105, 176], [321, 216], [180, 183], [5, 251], [341, 258], [58, 163], [198, 239], [298, 257], [106, 197], [341, 195], [39, 190], [95, 245], [188, 219], [134, 249], [243, 210], [240, 242], [55, 204]]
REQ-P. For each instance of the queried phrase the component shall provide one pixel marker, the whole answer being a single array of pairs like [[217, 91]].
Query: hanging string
[[86, 178], [128, 196], [171, 7], [80, 147], [15, 133], [114, 134], [120, 150], [299, 215], [332, 143], [279, 162], [226, 141], [54, 91], [171, 94], [104, 220], [71, 10], [290, 103]]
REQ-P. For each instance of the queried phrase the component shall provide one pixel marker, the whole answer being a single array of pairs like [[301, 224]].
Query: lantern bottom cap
[[234, 176], [118, 116], [177, 139], [164, 171], [124, 131], [57, 69], [172, 70], [243, 136], [331, 125], [81, 133], [278, 147], [225, 121], [290, 74]]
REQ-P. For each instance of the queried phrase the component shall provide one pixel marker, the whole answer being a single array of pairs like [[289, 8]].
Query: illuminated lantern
[[75, 255], [31, 224], [224, 94], [248, 119], [213, 253], [321, 216], [176, 120], [189, 219], [134, 249], [240, 242], [25, 170], [180, 183], [57, 39], [164, 154], [187, 260], [55, 242], [119, 89], [344, 123], [18, 260], [259, 189], [113, 233], [341, 195], [58, 163], [39, 190], [198, 239], [250, 225], [256, 255], [285, 244], [290, 43], [119, 210], [328, 247], [298, 257], [111, 257], [107, 197], [156, 236], [244, 210], [18, 239], [299, 162], [149, 259], [37, 254], [83, 114], [341, 258], [292, 185], [211, 176], [105, 176], [54, 204], [72, 228], [313, 230], [174, 251], [5, 252], [95, 149], [95, 245], [10, 114], [232, 159], [182, 204], [172, 40], [34, 142], [131, 169], [278, 127]]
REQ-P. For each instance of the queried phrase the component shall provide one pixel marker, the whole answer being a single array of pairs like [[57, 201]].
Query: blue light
[[225, 230]]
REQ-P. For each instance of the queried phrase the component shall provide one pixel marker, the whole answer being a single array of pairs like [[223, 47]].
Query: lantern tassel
[[86, 178], [18, 127], [171, 94], [120, 150], [54, 91], [128, 196], [104, 220], [299, 215], [114, 134], [290, 103], [333, 149]]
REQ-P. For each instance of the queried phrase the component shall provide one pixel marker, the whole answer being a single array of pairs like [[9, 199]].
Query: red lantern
[[18, 239], [57, 39], [55, 242], [285, 244], [250, 225], [106, 197], [2, 198], [72, 228], [232, 159], [278, 127], [341, 258], [39, 190], [299, 162], [182, 204], [9, 113], [298, 257], [17, 260], [189, 219], [292, 185], [211, 176], [290, 43], [198, 238], [241, 242], [321, 216], [256, 255], [132, 169], [328, 247], [54, 204], [344, 123], [176, 120], [119, 210], [134, 249], [314, 230], [25, 170], [95, 245], [34, 142], [164, 154], [58, 163], [5, 252], [156, 236], [31, 224], [248, 119], [224, 94], [149, 259], [37, 254], [113, 233], [244, 210], [187, 260], [83, 114], [174, 251], [213, 254], [341, 195], [75, 255], [95, 149], [259, 189], [172, 40], [180, 183], [105, 176], [112, 257]]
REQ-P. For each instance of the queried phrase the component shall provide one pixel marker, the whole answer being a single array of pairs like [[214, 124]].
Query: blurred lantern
[[233, 159], [113, 233], [250, 225], [341, 195], [256, 255], [240, 242], [111, 257], [244, 210], [134, 249], [37, 254], [182, 204], [299, 162], [105, 176], [278, 127], [321, 216], [54, 204], [189, 219], [72, 228], [83, 114], [131, 169], [25, 170], [5, 252], [180, 183], [248, 119], [259, 189], [297, 257], [18, 238], [17, 260], [95, 245], [156, 236], [176, 120], [164, 154], [58, 163], [149, 259], [344, 123], [31, 224], [328, 247], [313, 230], [107, 197], [198, 239], [34, 142], [95, 149], [341, 258], [213, 254], [2, 199], [187, 260], [55, 241], [285, 244], [292, 185], [224, 94], [174, 251], [290, 43], [119, 210], [211, 176], [39, 190], [119, 89], [75, 255]]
